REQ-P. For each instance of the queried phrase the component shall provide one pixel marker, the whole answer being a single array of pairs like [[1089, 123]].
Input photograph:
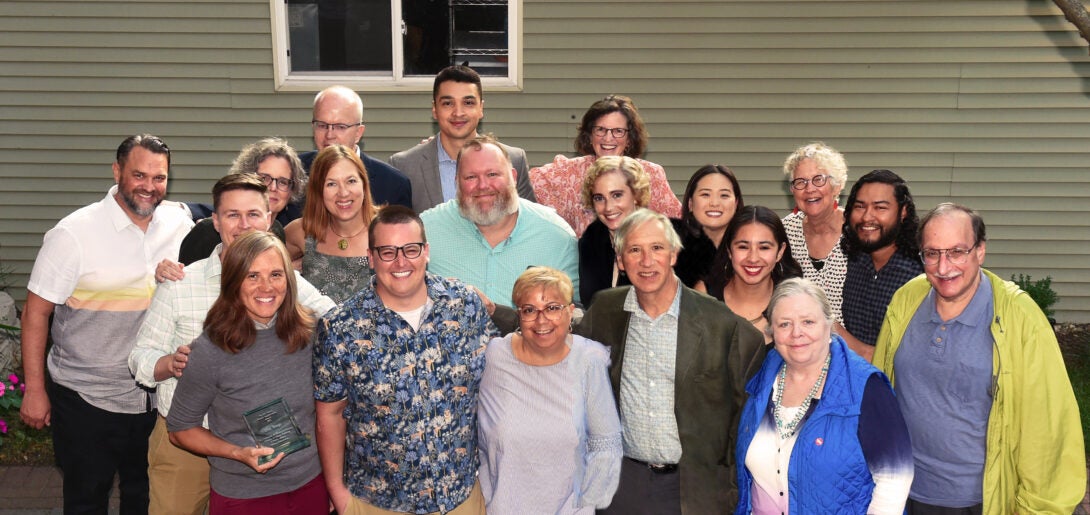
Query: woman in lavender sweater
[[550, 437]]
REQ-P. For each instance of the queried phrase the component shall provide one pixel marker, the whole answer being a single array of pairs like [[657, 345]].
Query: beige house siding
[[980, 102]]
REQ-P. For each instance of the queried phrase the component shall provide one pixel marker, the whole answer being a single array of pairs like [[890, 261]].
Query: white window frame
[[313, 81]]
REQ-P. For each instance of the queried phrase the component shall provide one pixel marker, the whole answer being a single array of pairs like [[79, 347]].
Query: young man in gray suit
[[458, 107]]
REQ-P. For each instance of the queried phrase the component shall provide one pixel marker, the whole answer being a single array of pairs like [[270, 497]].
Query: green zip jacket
[[1035, 460]]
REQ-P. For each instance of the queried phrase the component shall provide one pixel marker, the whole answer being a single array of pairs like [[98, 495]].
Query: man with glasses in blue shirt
[[338, 120], [397, 371], [981, 383]]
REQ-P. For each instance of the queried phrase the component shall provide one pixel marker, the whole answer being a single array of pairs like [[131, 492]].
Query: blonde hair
[[634, 177], [542, 277]]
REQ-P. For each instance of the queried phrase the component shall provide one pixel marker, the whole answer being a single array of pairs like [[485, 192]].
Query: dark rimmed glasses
[[388, 253], [274, 183], [817, 180], [618, 132]]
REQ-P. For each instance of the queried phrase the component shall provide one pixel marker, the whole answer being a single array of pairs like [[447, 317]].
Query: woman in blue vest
[[821, 431]]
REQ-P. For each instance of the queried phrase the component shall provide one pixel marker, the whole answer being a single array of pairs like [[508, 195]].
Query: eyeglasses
[[817, 180], [618, 132], [529, 313], [335, 127], [388, 253], [276, 183], [955, 255]]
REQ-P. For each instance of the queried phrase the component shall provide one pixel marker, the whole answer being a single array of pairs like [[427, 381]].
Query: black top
[[596, 258], [696, 257], [203, 238]]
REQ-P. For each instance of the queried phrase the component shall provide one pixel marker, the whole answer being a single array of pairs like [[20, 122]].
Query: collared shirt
[[98, 267], [412, 395], [176, 317], [448, 171], [944, 371], [867, 292], [647, 383], [459, 250]]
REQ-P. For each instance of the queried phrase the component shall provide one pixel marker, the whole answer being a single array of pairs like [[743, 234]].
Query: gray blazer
[[421, 165]]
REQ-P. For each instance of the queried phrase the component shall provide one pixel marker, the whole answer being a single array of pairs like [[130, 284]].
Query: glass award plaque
[[272, 425]]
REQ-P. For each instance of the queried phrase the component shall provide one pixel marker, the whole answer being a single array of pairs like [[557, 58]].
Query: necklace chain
[[343, 242], [788, 428]]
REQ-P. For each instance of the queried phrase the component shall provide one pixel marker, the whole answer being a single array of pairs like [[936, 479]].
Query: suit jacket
[[717, 352], [388, 184], [421, 165]]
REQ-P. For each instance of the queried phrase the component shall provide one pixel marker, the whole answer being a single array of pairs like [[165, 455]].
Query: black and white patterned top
[[832, 273], [337, 277]]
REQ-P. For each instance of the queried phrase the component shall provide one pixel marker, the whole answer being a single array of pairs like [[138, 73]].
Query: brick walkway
[[37, 491]]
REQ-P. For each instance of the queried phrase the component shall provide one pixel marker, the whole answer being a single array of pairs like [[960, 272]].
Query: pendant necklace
[[343, 242], [788, 428]]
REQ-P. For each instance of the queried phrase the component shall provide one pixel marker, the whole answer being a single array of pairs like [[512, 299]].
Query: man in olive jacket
[[680, 361]]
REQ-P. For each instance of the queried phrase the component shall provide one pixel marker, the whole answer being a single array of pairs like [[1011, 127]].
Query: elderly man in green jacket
[[680, 360], [981, 383]]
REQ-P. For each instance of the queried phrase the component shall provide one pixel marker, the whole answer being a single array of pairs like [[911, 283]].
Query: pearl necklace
[[787, 429]]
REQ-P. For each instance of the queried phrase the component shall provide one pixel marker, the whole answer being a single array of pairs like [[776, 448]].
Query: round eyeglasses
[[388, 253], [817, 180], [956, 255], [618, 132], [552, 312]]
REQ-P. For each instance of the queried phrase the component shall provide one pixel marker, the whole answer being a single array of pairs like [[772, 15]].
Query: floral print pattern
[[412, 395]]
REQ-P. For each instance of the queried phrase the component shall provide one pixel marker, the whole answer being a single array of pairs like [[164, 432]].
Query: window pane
[[340, 35], [479, 35], [427, 36]]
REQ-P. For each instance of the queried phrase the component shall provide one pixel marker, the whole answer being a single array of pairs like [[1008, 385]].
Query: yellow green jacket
[[1035, 460]]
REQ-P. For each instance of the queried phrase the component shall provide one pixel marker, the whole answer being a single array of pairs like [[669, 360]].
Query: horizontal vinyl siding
[[980, 102]]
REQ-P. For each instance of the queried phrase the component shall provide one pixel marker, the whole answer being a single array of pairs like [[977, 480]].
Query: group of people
[[456, 332]]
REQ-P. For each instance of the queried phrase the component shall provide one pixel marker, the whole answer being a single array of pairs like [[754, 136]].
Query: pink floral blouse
[[559, 185]]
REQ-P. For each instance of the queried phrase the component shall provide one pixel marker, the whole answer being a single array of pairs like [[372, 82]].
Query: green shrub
[[1040, 291]]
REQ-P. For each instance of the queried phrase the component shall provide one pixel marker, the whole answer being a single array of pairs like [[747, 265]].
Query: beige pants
[[177, 479], [473, 505]]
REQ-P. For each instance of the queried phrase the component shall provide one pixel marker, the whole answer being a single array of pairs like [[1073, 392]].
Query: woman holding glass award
[[250, 372]]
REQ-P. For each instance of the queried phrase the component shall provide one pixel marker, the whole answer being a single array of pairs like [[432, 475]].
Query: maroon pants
[[309, 499]]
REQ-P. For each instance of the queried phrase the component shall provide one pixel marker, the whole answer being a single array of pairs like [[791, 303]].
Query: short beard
[[505, 204], [135, 208], [887, 239]]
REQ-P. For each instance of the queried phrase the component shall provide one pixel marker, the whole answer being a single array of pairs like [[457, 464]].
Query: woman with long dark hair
[[754, 258]]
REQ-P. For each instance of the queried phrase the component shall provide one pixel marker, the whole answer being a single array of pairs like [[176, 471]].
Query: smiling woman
[[330, 242], [549, 433], [816, 174], [254, 349]]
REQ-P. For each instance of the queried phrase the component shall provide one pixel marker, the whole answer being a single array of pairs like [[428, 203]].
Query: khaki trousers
[[473, 505], [177, 478]]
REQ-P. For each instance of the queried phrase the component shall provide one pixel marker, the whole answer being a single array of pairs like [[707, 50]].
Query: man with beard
[[880, 242], [94, 273], [486, 236]]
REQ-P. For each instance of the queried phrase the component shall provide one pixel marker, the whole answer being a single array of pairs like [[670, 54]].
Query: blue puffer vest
[[827, 473]]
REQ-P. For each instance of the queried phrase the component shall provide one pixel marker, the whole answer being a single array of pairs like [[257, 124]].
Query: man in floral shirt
[[397, 369]]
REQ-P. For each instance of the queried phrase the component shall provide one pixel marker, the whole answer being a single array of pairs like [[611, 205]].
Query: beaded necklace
[[787, 429]]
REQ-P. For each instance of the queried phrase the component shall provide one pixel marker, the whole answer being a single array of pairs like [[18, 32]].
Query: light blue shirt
[[647, 383], [459, 250], [448, 170], [944, 371]]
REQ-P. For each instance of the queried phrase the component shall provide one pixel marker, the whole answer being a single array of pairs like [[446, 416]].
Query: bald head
[[337, 118]]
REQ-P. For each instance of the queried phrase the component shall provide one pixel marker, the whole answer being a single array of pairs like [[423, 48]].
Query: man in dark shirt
[[880, 242]]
